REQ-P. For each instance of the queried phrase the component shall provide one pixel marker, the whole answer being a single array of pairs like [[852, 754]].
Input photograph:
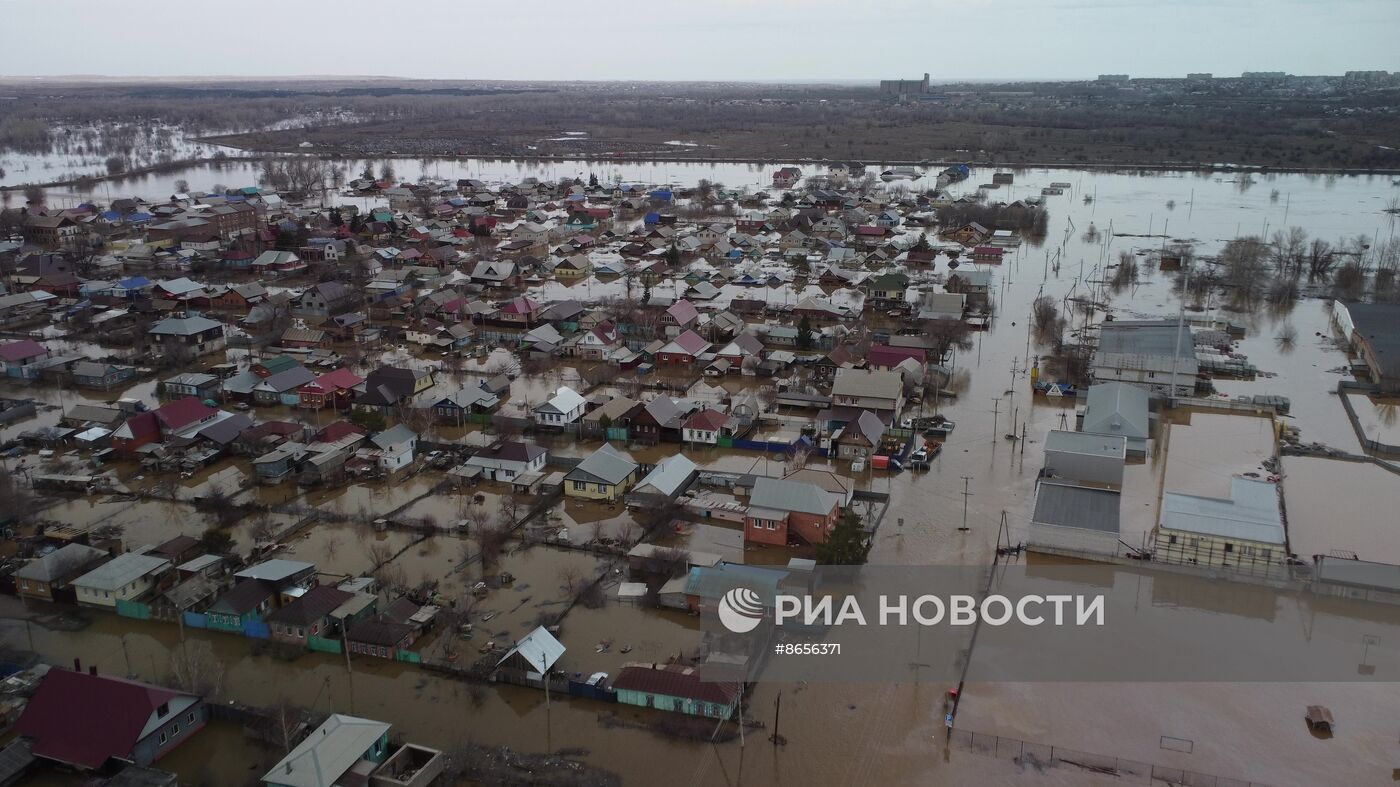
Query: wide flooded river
[[890, 731]]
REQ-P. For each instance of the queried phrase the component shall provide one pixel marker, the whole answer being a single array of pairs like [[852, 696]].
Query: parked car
[[926, 453]]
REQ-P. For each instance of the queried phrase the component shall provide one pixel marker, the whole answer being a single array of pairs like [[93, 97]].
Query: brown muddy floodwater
[[890, 730]]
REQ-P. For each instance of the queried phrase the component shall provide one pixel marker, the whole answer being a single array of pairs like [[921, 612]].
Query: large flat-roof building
[[1158, 355], [1244, 530], [1075, 518], [1374, 332], [904, 87]]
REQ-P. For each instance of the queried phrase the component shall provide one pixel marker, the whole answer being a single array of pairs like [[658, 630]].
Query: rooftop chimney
[[77, 665], [93, 670]]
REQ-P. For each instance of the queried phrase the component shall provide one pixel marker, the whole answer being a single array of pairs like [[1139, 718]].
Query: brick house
[[306, 616], [783, 511]]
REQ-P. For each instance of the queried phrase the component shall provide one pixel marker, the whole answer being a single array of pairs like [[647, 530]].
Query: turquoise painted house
[[676, 688], [244, 603]]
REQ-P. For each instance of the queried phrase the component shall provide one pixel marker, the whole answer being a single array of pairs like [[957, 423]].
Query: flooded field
[[1342, 507]]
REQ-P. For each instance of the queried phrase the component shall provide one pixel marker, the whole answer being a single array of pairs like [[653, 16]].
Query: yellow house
[[606, 474], [574, 267]]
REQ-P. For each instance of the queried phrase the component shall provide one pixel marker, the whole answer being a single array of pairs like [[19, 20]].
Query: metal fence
[[1046, 756], [1374, 446]]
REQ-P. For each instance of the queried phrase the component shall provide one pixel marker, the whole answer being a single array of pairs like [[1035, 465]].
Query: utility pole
[[777, 713], [966, 494], [345, 646], [996, 410]]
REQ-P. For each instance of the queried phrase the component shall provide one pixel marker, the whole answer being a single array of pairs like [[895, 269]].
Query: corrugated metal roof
[[1251, 513], [1087, 443], [539, 648], [606, 464], [1083, 507], [780, 495], [668, 475], [327, 753], [121, 571], [1116, 408]]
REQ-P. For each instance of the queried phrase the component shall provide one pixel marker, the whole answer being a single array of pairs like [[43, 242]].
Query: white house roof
[[1116, 408], [668, 474], [539, 648], [564, 401], [183, 326], [273, 570], [604, 464], [855, 382], [121, 571], [1087, 443], [1251, 513], [327, 753]]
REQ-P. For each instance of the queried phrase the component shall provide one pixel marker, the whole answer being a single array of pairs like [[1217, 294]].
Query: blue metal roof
[[713, 582]]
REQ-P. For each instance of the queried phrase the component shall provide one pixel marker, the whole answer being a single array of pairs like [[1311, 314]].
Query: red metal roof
[[883, 356], [22, 350], [674, 680], [708, 420], [86, 719], [337, 430], [182, 412], [520, 306], [334, 381], [690, 341]]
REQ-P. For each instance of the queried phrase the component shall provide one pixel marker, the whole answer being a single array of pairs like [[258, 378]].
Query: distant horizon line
[[114, 78]]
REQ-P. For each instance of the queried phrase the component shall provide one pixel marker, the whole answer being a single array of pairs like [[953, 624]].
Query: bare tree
[[492, 542], [195, 668]]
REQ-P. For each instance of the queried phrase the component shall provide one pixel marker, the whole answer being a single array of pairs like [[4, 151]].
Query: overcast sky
[[707, 40]]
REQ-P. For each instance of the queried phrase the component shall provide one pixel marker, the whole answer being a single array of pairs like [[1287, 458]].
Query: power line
[[966, 494]]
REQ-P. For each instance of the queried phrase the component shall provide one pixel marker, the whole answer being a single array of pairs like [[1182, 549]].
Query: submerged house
[[677, 688], [342, 751], [127, 577], [606, 474], [781, 511], [1118, 409], [1244, 530], [85, 720]]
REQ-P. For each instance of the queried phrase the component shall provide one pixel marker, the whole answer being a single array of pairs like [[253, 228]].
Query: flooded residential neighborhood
[[351, 437]]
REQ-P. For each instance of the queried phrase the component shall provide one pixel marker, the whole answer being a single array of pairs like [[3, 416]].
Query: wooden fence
[[1045, 755]]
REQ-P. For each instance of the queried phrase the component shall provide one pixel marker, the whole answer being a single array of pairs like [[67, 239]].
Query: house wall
[[666, 702], [812, 527], [378, 651], [701, 436], [766, 531], [175, 731], [295, 634], [674, 359], [35, 589], [396, 461], [1179, 546], [1086, 468], [101, 598], [559, 419], [1151, 379], [853, 449], [1077, 539]]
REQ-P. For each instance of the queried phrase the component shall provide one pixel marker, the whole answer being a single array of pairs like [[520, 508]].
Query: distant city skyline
[[723, 40]]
